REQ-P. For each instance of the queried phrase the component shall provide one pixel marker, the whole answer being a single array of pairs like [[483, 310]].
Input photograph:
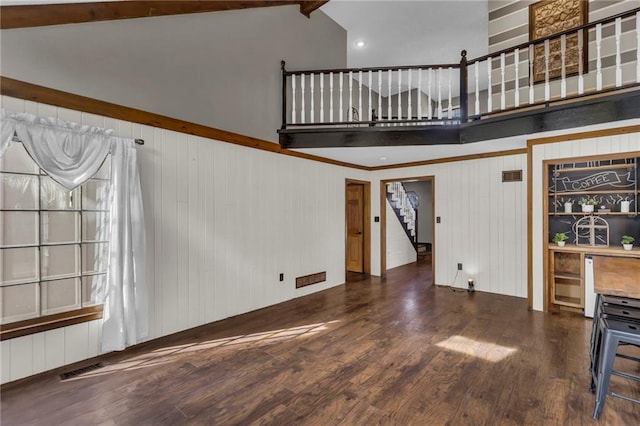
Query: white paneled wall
[[222, 222], [484, 223], [400, 251], [577, 148]]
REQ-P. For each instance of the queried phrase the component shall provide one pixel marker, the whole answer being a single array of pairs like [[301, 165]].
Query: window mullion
[[39, 255]]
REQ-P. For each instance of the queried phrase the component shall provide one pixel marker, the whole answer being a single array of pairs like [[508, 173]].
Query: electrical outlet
[[459, 266], [281, 277]]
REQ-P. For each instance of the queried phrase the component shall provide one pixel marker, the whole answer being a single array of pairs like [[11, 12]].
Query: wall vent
[[318, 277], [79, 371], [512, 176]]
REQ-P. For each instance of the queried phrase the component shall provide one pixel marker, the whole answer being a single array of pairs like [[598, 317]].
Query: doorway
[[424, 186], [357, 229]]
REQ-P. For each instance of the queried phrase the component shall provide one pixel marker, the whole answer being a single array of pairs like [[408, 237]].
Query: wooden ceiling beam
[[38, 15], [306, 7]]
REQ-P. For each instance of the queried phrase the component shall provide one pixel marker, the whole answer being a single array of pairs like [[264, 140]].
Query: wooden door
[[355, 227]]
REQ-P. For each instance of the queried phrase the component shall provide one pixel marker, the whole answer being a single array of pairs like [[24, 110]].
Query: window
[[54, 246]]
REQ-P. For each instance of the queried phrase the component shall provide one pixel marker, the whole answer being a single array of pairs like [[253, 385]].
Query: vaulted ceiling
[[20, 14]]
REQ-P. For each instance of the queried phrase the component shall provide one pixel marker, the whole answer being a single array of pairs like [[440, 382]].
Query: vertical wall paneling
[[483, 223], [194, 224], [54, 343], [39, 352], [5, 361], [169, 227], [222, 221], [157, 231], [76, 342], [21, 357]]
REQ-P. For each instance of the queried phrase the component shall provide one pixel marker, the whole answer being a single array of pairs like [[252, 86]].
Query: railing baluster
[[389, 96], [637, 47], [302, 112], [399, 95], [341, 83], [449, 106], [546, 71], [580, 62], [516, 63], [331, 97], [429, 102], [618, 60], [419, 93], [369, 104], [379, 92], [293, 99], [503, 99], [489, 100], [360, 114], [312, 100], [350, 112], [477, 102], [321, 98], [598, 57], [440, 93], [409, 106], [531, 79], [563, 72]]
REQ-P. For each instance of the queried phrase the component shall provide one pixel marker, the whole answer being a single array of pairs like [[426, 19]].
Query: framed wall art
[[549, 17]]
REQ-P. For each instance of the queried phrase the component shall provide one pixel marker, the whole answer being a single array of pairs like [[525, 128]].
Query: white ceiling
[[414, 32]]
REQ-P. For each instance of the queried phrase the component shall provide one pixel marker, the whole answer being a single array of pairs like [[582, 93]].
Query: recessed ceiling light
[[360, 43], [383, 158]]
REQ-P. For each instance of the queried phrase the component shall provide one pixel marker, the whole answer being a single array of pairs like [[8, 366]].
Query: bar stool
[[615, 312], [614, 333], [617, 306], [621, 301]]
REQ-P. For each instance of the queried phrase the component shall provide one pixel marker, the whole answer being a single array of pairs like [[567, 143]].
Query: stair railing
[[404, 210]]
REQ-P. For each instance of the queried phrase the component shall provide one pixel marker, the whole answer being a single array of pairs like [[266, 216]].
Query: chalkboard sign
[[611, 184], [565, 180]]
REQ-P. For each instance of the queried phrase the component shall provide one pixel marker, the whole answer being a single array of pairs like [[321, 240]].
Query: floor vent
[[311, 279], [512, 176], [79, 371]]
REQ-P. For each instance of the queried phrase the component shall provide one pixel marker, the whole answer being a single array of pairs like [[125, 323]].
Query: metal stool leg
[[607, 357]]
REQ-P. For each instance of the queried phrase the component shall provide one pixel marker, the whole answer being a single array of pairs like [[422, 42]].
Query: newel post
[[284, 95], [464, 95]]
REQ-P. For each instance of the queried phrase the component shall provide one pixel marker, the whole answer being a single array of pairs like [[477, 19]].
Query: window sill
[[49, 322]]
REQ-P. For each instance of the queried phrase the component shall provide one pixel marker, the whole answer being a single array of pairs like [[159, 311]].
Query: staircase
[[407, 215]]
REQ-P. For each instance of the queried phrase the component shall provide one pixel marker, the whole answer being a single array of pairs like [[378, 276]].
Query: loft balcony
[[583, 76]]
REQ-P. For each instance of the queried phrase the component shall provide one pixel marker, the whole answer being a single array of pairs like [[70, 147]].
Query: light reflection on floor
[[169, 354], [484, 350]]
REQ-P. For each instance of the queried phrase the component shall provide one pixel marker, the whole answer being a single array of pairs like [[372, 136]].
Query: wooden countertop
[[614, 250], [618, 276]]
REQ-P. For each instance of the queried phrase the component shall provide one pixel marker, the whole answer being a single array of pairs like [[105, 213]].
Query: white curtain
[[125, 306], [71, 154]]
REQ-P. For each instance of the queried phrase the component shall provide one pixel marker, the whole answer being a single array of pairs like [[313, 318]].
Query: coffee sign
[[603, 180]]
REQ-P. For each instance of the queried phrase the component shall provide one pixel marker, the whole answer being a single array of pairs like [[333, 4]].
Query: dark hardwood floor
[[397, 351]]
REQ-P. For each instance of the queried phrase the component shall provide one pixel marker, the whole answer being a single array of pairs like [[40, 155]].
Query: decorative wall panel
[[550, 17]]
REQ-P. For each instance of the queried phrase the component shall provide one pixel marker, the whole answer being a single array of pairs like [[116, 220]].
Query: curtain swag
[[71, 154]]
